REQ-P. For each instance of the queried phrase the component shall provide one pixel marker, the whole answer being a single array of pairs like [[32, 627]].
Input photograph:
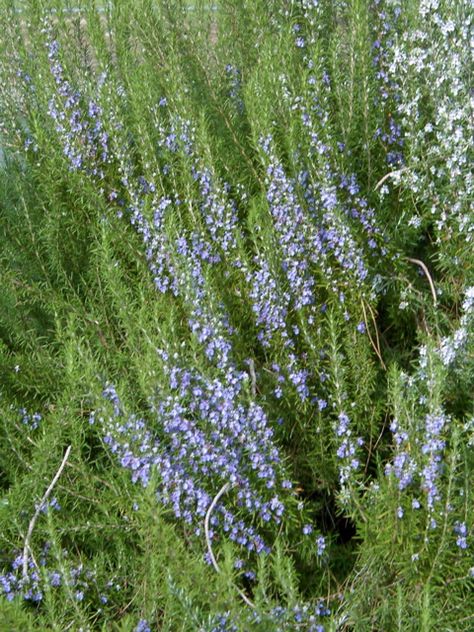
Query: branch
[[253, 376], [389, 175], [218, 496], [376, 347], [33, 520], [428, 276]]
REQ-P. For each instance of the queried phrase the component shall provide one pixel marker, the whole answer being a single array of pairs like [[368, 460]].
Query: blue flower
[[461, 530], [321, 545]]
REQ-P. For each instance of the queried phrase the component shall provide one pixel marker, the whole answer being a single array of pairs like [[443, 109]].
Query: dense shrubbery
[[237, 287]]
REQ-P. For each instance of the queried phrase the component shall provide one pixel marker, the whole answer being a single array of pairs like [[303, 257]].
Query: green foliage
[[387, 356]]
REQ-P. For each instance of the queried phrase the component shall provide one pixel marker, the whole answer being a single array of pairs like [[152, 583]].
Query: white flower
[[447, 27], [414, 221], [468, 303]]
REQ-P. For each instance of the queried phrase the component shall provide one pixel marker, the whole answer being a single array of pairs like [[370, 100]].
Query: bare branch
[[428, 276], [33, 520], [392, 174], [253, 376], [376, 347], [216, 499], [218, 496]]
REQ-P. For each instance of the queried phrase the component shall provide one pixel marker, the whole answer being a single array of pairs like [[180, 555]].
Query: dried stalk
[[376, 347], [216, 499], [33, 520], [428, 276]]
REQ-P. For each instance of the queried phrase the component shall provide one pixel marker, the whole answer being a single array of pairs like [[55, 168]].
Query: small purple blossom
[[321, 545], [403, 466], [460, 530], [347, 447], [361, 328], [55, 579]]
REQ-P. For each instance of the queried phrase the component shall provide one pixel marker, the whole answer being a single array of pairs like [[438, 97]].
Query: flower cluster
[[78, 124], [53, 504], [219, 213], [304, 616], [460, 530], [347, 449], [324, 212], [450, 348], [321, 545], [403, 466], [30, 420], [420, 443], [78, 580], [208, 436], [422, 462], [432, 448], [290, 223], [434, 109], [234, 80], [270, 303], [387, 16]]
